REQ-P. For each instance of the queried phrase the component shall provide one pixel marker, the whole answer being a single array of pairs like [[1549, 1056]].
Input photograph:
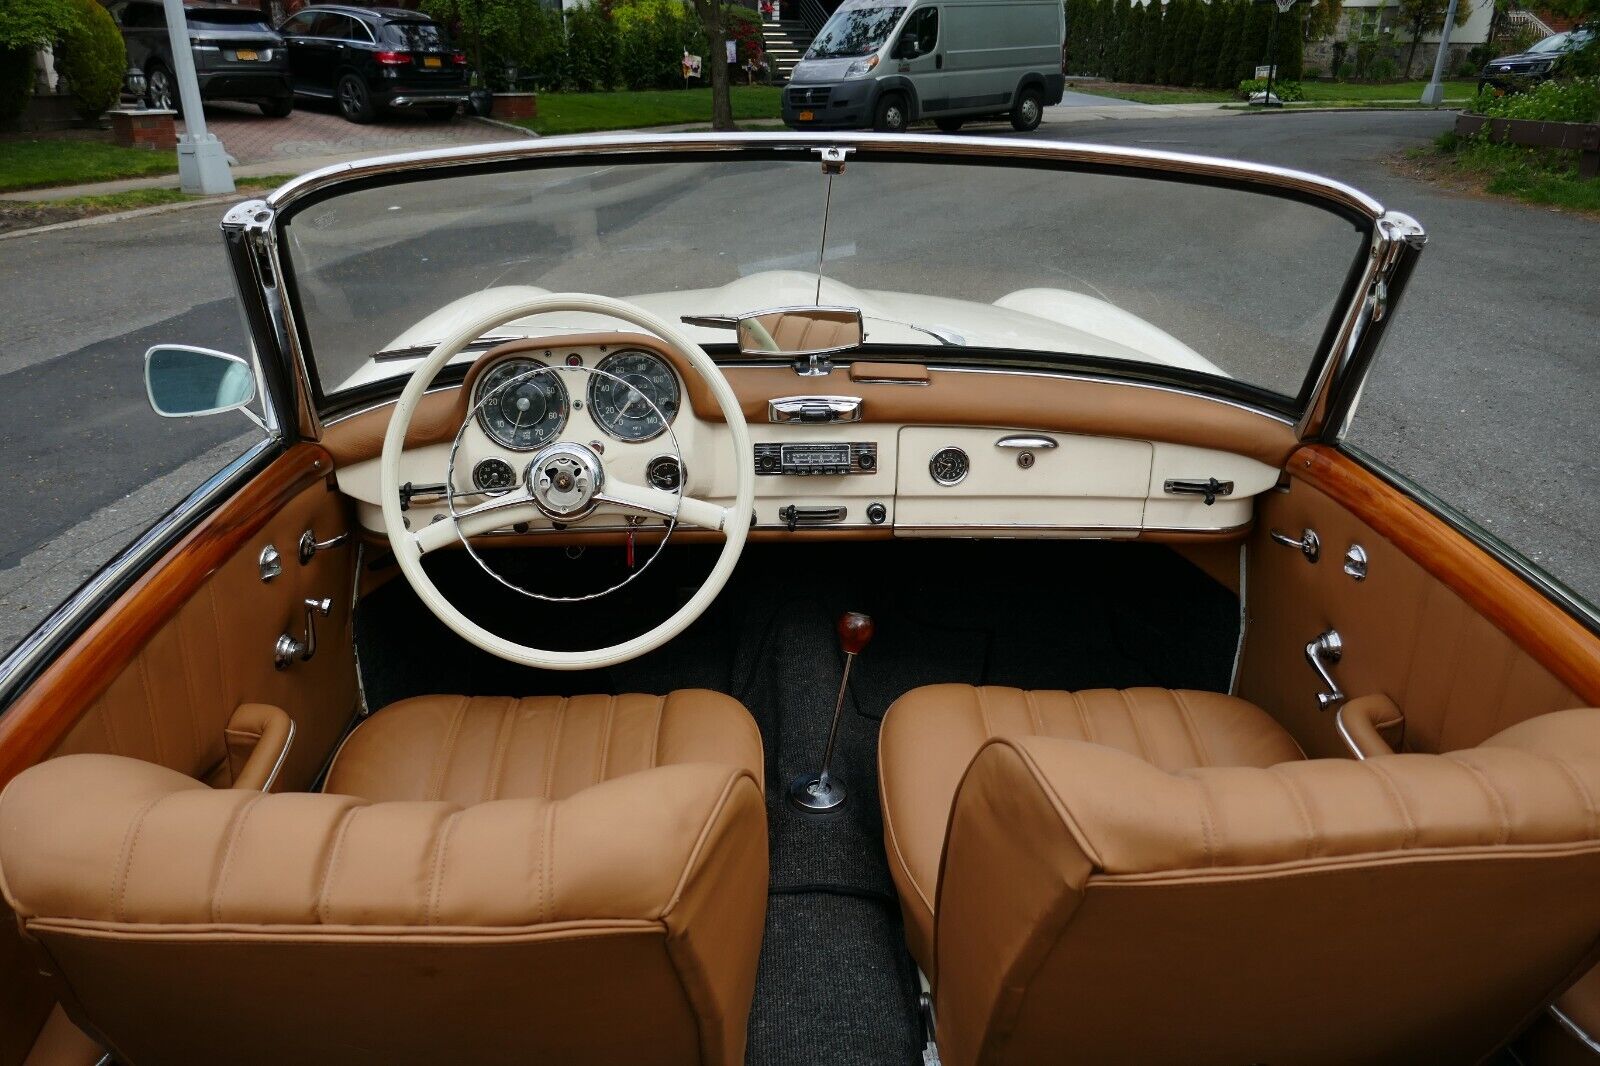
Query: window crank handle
[[1322, 652]]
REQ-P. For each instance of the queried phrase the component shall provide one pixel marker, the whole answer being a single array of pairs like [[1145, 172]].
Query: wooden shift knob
[[855, 631]]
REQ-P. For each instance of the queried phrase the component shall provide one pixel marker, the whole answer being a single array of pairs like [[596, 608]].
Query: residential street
[[1484, 393]]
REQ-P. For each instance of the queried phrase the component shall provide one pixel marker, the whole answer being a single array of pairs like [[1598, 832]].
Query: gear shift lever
[[821, 791]]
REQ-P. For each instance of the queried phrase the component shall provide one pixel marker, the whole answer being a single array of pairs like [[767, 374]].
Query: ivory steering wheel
[[593, 486]]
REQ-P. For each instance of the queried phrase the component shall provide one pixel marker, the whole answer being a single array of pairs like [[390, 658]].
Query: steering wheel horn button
[[564, 479]]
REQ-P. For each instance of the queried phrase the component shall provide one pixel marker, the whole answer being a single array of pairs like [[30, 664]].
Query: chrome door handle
[[1023, 440], [1324, 650], [287, 649], [310, 545], [1308, 542]]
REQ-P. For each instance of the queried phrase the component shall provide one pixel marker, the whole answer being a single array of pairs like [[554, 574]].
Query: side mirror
[[185, 382], [800, 331]]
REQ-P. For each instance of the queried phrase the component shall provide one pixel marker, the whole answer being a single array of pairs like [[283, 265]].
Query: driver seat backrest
[[1409, 908], [188, 924]]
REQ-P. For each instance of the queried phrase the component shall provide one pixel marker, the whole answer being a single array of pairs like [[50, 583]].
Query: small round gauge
[[617, 395], [525, 409], [949, 466], [494, 476]]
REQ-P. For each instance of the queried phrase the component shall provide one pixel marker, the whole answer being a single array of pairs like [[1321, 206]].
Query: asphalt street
[[1483, 394]]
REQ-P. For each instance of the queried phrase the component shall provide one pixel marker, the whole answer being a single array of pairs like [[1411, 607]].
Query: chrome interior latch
[[1209, 489], [1323, 651], [287, 649], [1355, 562], [270, 562], [1308, 542], [310, 545]]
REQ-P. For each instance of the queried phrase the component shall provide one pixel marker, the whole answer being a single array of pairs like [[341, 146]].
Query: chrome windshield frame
[[1338, 350]]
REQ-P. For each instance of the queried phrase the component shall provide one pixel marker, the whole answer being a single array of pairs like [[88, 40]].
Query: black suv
[[237, 56], [367, 58], [1543, 61]]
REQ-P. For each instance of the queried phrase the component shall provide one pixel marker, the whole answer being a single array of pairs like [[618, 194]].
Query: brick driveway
[[313, 131]]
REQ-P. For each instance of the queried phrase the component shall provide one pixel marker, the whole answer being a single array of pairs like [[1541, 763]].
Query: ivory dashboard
[[824, 459]]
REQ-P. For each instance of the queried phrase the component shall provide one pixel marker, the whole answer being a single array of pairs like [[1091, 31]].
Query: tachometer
[[524, 409], [617, 395]]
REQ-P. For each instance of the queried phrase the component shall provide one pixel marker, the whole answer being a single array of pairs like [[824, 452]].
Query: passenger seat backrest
[[185, 923], [1407, 908]]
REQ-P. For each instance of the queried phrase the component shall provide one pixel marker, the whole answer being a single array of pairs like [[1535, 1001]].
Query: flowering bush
[[1568, 100], [1287, 91]]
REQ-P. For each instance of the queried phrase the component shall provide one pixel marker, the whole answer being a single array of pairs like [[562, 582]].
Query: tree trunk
[[710, 12]]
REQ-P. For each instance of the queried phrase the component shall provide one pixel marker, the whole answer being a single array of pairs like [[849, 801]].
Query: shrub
[[1311, 74], [1575, 100], [591, 49], [93, 58], [1287, 91], [651, 36]]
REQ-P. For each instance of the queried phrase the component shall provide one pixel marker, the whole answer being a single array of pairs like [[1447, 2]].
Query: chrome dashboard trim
[[1001, 527]]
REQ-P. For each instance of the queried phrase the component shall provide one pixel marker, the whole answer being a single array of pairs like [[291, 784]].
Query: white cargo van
[[885, 64]]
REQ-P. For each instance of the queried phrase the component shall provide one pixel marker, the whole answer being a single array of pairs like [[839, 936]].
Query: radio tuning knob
[[876, 513]]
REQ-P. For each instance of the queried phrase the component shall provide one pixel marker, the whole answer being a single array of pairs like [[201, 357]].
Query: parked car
[[1192, 730], [368, 59], [237, 55], [1542, 62], [883, 65]]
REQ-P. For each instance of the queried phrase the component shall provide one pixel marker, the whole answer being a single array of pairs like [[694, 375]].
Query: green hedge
[[1576, 100], [93, 58], [633, 44], [1183, 42]]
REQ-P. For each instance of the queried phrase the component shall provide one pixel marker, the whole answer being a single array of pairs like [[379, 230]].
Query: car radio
[[840, 457]]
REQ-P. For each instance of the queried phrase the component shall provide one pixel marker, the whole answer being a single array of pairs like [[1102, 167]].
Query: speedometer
[[633, 395], [521, 404]]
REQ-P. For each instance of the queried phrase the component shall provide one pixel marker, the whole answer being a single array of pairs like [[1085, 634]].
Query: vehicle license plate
[[432, 62], [246, 55], [806, 116]]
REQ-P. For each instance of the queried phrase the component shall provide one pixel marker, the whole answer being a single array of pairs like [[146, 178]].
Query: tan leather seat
[[1406, 908], [930, 735], [474, 749], [527, 881]]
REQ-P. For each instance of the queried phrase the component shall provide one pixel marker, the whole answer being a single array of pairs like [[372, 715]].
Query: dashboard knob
[[876, 513]]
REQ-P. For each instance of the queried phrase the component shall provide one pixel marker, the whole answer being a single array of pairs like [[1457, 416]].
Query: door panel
[[160, 672], [1462, 645]]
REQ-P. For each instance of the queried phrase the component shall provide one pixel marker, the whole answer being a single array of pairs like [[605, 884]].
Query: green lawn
[[1350, 91], [1533, 175], [590, 112], [41, 164], [1156, 94]]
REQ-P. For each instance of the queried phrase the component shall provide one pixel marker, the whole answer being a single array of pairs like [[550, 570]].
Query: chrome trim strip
[[132, 559], [362, 707], [865, 146], [288, 742], [1108, 380], [1344, 734], [1244, 617], [1574, 1029]]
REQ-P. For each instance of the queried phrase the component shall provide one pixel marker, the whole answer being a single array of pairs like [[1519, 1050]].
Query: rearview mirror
[[185, 382], [800, 331]]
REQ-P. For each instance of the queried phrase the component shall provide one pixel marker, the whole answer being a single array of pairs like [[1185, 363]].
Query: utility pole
[[202, 162], [1433, 95]]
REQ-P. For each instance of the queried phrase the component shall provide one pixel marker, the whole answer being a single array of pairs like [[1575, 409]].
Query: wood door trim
[[48, 708], [1556, 640]]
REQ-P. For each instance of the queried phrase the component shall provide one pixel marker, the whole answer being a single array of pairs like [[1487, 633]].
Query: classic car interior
[[578, 678]]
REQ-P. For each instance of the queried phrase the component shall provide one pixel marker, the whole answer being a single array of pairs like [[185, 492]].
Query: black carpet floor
[[835, 983]]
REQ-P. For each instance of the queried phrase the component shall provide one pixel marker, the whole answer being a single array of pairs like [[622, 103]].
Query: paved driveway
[[312, 132]]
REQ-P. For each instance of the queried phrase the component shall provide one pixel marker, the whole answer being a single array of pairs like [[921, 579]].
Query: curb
[[503, 125], [118, 216], [1336, 110]]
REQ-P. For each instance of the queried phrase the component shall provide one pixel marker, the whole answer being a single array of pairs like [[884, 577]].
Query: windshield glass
[[858, 28], [945, 260]]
